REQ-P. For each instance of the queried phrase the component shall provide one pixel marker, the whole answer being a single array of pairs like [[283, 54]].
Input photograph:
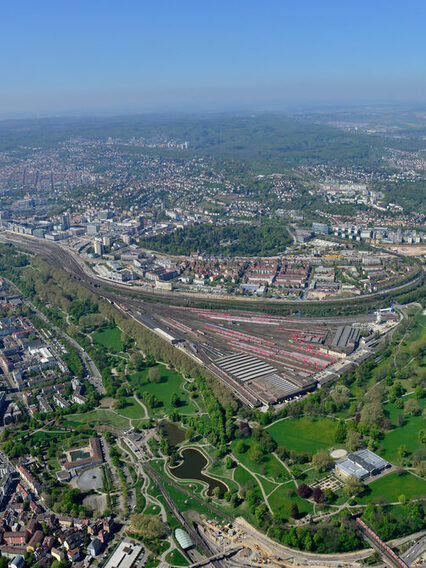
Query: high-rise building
[[106, 241], [65, 221], [99, 248]]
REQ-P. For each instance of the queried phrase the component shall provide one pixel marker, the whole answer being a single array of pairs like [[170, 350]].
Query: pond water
[[192, 468], [172, 432]]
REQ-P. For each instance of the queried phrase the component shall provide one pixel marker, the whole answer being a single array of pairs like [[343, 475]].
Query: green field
[[110, 338], [270, 467], [244, 478], [406, 435], [172, 383], [176, 558], [304, 434], [391, 486], [132, 409], [281, 502], [99, 416]]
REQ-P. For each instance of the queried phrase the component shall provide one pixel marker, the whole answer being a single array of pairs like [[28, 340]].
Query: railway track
[[68, 261]]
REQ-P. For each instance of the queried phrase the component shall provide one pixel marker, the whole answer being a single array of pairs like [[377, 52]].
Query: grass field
[[99, 416], [270, 467], [172, 383], [244, 478], [110, 338], [281, 503], [304, 434], [391, 486], [176, 558], [403, 435], [132, 409]]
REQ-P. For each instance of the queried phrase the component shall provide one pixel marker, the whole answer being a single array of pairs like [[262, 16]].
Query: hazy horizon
[[145, 57]]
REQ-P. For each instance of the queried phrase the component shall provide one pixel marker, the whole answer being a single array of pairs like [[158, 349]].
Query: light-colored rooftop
[[124, 556], [183, 539]]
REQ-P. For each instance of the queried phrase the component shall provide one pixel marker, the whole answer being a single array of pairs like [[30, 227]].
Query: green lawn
[[152, 510], [132, 409], [172, 383], [270, 467], [281, 503], [391, 486], [244, 478], [185, 503], [304, 434], [110, 338], [403, 435], [99, 416], [176, 558]]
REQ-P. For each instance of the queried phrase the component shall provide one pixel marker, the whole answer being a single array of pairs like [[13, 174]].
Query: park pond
[[172, 432], [192, 468]]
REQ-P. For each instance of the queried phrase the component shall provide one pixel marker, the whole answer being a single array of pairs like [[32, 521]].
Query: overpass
[[218, 556], [387, 554]]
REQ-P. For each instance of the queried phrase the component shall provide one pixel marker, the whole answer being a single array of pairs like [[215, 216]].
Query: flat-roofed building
[[124, 556], [362, 464]]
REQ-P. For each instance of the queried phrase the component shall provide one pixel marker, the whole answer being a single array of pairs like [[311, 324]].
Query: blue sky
[[73, 55]]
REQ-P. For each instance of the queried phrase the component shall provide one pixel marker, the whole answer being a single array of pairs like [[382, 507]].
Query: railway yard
[[265, 359]]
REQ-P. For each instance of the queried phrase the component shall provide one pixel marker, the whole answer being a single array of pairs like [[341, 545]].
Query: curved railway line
[[67, 260]]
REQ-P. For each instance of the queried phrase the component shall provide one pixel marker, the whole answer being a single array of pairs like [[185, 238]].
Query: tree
[[402, 451], [422, 436], [318, 495], [353, 486], [353, 440], [216, 492], [372, 413], [229, 462], [304, 491], [260, 513], [294, 511], [419, 392], [148, 526], [412, 407], [189, 434], [154, 375], [175, 400], [340, 434], [256, 454], [322, 460], [241, 447], [400, 420], [340, 395]]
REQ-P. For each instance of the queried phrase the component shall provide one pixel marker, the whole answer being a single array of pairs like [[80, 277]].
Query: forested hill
[[261, 137], [242, 240]]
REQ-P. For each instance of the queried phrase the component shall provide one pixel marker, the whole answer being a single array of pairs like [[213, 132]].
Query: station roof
[[183, 539]]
